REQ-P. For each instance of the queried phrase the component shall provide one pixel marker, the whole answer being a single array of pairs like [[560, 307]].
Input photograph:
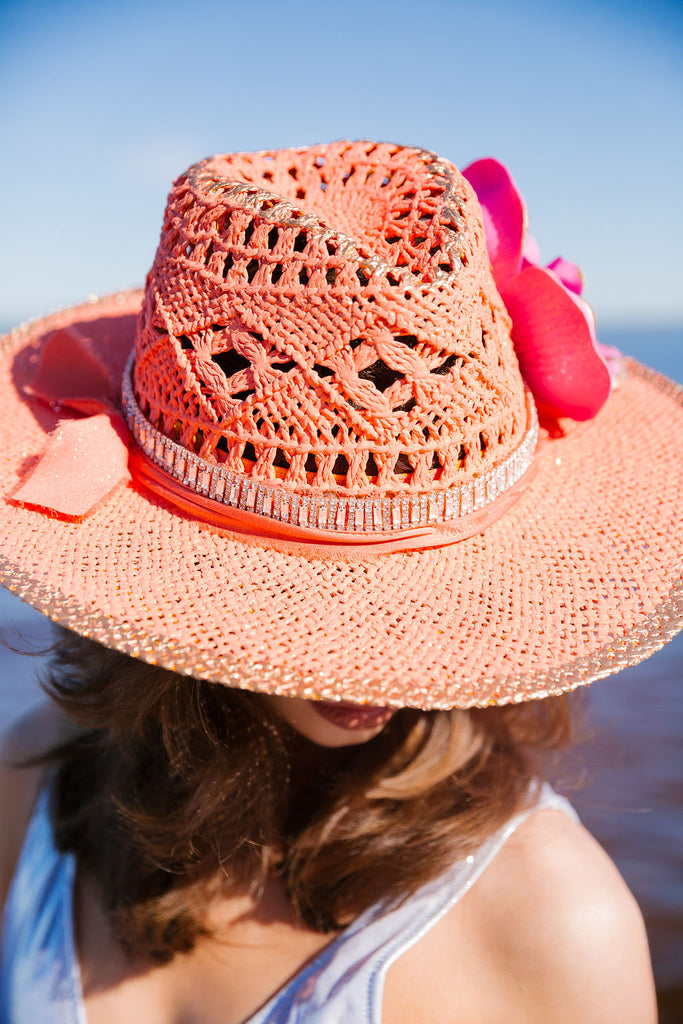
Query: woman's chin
[[331, 723]]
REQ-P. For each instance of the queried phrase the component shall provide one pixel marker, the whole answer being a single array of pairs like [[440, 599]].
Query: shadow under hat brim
[[581, 578]]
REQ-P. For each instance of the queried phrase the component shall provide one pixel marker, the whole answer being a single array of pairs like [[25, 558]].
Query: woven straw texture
[[359, 347], [579, 578]]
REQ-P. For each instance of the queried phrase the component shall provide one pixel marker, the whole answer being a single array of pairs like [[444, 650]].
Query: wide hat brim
[[581, 577]]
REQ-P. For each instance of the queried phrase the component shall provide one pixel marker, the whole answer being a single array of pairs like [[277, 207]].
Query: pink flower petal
[[531, 254], [504, 215], [554, 338], [568, 273], [614, 360]]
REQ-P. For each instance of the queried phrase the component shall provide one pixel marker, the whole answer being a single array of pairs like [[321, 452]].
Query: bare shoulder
[[568, 925], [32, 734], [548, 934]]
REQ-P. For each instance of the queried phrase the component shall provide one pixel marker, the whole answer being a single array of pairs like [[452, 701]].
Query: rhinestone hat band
[[324, 511]]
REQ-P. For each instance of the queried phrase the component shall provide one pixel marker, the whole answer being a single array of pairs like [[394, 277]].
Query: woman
[[329, 490]]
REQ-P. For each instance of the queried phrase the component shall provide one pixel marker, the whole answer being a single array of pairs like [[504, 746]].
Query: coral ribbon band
[[310, 540], [87, 457]]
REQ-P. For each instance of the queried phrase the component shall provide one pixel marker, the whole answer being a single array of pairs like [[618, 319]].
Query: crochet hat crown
[[326, 319]]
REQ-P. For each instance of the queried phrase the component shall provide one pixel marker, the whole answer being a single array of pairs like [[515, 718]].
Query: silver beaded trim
[[324, 511]]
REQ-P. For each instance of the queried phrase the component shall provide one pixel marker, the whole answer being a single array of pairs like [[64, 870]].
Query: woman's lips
[[353, 716]]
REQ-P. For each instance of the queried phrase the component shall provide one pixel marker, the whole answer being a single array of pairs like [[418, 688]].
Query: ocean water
[[625, 778]]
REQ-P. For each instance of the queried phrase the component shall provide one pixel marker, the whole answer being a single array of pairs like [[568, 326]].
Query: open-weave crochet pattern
[[327, 317]]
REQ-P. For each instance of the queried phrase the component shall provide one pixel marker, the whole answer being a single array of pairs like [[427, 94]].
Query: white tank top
[[40, 979]]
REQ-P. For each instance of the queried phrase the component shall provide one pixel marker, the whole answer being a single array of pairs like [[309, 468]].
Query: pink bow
[[553, 328], [86, 455]]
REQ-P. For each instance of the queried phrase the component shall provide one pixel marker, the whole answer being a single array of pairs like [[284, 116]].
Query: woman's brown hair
[[175, 790]]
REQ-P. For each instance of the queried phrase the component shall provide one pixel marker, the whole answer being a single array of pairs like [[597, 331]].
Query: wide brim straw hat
[[325, 475]]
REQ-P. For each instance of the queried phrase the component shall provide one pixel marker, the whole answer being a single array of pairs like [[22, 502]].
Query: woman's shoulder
[[29, 736], [548, 933]]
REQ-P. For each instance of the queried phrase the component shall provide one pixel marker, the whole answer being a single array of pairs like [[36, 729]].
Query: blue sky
[[103, 104]]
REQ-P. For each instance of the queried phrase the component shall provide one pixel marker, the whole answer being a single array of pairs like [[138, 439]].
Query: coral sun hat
[[330, 473]]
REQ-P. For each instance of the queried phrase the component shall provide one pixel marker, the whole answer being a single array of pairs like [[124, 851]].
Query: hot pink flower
[[553, 328]]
